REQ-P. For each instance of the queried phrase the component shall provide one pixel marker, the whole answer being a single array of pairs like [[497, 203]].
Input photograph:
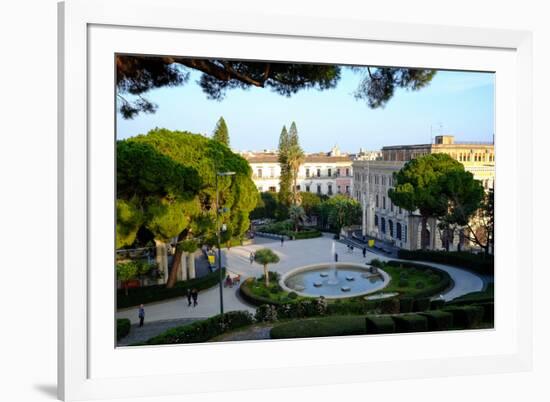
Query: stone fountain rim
[[363, 267]]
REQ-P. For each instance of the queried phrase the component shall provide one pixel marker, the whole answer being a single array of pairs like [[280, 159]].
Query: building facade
[[321, 173], [372, 180]]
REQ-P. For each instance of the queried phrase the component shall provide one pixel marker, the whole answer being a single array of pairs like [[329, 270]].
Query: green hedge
[[317, 327], [254, 299], [122, 328], [488, 311], [149, 294], [437, 304], [466, 316], [410, 323], [421, 304], [438, 320], [483, 296], [476, 262], [304, 234], [379, 324], [406, 304], [202, 331]]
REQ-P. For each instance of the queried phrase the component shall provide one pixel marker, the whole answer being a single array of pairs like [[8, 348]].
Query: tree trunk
[[266, 275], [191, 266], [162, 259], [176, 262], [424, 234]]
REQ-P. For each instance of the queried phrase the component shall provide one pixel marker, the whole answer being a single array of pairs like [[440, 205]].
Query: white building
[[322, 173]]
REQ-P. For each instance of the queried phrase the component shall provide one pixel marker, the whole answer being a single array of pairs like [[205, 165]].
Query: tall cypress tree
[[295, 158], [285, 180], [221, 134]]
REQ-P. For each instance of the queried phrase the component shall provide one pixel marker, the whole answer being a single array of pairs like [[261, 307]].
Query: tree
[[295, 157], [342, 211], [464, 195], [285, 180], [481, 230], [419, 186], [136, 75], [297, 214], [310, 202], [264, 257], [221, 133], [127, 271]]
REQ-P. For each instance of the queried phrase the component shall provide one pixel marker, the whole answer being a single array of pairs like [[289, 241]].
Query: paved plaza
[[292, 254]]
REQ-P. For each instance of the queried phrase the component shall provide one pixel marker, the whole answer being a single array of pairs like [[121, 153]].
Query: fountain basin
[[349, 280]]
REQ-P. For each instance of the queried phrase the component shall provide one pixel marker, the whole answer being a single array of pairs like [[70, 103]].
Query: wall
[[28, 199]]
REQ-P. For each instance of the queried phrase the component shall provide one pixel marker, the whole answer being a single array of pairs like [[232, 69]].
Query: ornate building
[[322, 173], [373, 178]]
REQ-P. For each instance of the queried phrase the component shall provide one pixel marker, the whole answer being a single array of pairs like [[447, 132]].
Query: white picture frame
[[89, 367]]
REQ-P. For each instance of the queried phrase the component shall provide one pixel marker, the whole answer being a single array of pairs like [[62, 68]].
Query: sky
[[456, 103]]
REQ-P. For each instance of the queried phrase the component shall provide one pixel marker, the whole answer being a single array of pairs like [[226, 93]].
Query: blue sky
[[462, 103]]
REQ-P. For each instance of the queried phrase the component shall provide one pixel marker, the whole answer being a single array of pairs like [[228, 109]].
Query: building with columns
[[373, 178], [325, 173]]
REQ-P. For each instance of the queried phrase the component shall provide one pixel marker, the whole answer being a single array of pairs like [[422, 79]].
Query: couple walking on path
[[192, 295]]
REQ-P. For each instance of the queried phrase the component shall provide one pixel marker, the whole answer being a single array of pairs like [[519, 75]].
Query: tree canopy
[[136, 75], [264, 257], [221, 133]]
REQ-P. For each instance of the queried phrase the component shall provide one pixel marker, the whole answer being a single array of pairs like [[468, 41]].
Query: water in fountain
[[333, 278]]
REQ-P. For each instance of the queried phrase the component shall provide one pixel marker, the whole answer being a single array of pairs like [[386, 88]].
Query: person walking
[[251, 257], [195, 296], [282, 241], [364, 252], [141, 315], [335, 257], [188, 294]]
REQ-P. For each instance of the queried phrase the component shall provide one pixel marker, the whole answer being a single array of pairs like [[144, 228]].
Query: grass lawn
[[411, 281]]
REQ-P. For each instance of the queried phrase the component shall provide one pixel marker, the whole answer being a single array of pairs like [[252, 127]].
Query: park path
[[292, 255]]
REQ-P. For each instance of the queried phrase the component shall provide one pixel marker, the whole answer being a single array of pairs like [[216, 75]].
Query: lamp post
[[218, 232]]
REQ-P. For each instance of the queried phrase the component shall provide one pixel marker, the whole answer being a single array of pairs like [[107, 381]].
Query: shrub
[[421, 304], [466, 316], [438, 320], [293, 295], [321, 326], [410, 323], [488, 312], [377, 263], [266, 313], [437, 304], [155, 293], [431, 290], [434, 278], [403, 283], [202, 331], [379, 324], [247, 294], [273, 277], [420, 285], [389, 306], [275, 289], [406, 304], [476, 262], [122, 328]]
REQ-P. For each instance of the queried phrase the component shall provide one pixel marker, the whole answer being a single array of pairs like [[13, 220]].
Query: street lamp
[[218, 232]]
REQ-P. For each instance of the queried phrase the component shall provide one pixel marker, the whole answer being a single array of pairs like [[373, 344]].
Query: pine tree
[[221, 134], [285, 181], [295, 158]]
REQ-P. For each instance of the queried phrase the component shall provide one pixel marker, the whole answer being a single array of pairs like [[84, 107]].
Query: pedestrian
[[141, 315], [251, 257], [188, 297], [195, 296], [335, 257], [351, 248], [364, 252], [282, 240]]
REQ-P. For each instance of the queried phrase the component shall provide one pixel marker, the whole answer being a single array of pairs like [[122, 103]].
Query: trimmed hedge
[[410, 323], [122, 328], [421, 304], [149, 294], [438, 320], [202, 331], [476, 262], [466, 316], [437, 304], [379, 324], [488, 311], [318, 327], [406, 304], [254, 299]]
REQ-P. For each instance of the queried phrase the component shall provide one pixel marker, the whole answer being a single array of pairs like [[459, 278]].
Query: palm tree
[[297, 214], [264, 257]]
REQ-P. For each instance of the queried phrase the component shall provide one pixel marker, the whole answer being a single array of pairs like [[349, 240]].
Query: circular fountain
[[334, 280]]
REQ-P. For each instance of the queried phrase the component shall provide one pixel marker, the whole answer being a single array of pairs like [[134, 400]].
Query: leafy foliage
[[136, 75], [221, 133], [264, 257]]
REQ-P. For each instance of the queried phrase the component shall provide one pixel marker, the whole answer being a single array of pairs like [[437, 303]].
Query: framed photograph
[[252, 201]]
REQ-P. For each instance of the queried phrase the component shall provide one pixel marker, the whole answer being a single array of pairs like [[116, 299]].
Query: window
[[307, 172], [330, 189], [377, 203], [390, 226], [383, 202], [298, 187], [376, 220], [383, 225], [347, 189], [308, 188], [339, 189], [329, 172], [272, 189], [259, 172], [398, 231], [318, 189], [337, 172], [318, 172], [347, 171], [405, 233]]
